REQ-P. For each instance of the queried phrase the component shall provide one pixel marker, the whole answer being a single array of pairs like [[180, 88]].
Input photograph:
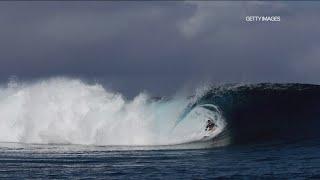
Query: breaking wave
[[69, 111]]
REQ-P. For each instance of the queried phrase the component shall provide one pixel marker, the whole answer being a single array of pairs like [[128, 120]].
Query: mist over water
[[69, 111]]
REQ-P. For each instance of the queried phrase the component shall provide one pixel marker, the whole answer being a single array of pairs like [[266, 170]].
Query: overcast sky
[[160, 47]]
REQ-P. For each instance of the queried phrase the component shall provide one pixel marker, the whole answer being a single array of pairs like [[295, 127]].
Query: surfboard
[[209, 135]]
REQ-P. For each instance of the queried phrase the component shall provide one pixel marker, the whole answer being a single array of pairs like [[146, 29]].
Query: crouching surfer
[[211, 126]]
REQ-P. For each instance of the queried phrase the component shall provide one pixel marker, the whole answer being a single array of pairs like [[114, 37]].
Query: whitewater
[[70, 111]]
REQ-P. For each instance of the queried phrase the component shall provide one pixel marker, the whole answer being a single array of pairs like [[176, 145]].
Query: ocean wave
[[69, 111]]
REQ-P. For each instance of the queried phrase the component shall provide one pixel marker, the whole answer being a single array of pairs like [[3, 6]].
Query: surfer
[[210, 125]]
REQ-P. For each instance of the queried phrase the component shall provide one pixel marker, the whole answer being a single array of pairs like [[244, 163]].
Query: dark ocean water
[[294, 160]]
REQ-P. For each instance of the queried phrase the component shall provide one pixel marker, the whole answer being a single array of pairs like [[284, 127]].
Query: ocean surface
[[67, 128], [290, 160]]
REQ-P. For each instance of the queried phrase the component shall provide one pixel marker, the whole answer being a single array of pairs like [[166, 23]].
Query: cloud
[[160, 46], [209, 15]]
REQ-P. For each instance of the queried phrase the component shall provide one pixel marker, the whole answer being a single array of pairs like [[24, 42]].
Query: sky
[[160, 47]]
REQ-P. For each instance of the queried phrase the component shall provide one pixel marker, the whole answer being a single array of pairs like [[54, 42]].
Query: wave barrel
[[264, 112]]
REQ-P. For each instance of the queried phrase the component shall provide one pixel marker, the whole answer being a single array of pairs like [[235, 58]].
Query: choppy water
[[294, 160]]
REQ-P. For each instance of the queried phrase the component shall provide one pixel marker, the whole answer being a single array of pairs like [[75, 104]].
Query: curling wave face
[[68, 111], [267, 112]]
